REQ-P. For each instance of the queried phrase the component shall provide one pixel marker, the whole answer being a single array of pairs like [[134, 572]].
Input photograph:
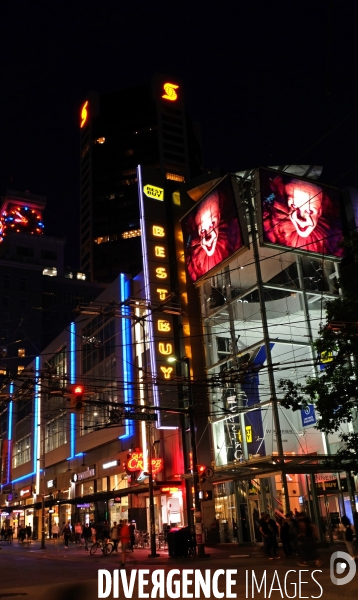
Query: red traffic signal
[[76, 397]]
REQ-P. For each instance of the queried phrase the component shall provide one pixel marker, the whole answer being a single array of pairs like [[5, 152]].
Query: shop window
[[21, 352]]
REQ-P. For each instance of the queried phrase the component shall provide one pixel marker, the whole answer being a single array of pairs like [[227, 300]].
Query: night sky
[[270, 82]]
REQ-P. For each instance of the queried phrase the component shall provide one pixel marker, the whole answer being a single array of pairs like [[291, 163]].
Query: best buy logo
[[153, 192]]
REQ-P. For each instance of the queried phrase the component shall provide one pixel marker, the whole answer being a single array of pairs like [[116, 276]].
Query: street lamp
[[196, 480]]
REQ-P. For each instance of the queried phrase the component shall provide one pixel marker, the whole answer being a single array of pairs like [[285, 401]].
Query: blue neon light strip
[[72, 353], [127, 366], [153, 364], [37, 387], [72, 370], [9, 426], [36, 416]]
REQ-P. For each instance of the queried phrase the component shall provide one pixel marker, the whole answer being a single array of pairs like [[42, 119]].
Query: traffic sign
[[209, 472], [140, 416]]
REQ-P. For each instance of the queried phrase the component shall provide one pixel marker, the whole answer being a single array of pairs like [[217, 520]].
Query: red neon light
[[135, 463]]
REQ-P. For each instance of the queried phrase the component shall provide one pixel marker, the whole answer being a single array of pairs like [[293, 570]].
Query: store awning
[[269, 466]]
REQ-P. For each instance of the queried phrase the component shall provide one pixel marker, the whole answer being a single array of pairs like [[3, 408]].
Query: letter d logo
[[341, 567]]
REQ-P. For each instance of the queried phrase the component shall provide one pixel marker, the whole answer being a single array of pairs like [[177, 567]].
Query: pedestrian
[[106, 531], [293, 527], [93, 532], [115, 536], [78, 534], [66, 532], [285, 538], [28, 532], [132, 536], [55, 533], [307, 539], [268, 536], [22, 534], [9, 535], [348, 536], [125, 538], [87, 535]]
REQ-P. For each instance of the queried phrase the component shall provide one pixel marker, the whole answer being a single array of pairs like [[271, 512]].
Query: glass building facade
[[261, 313]]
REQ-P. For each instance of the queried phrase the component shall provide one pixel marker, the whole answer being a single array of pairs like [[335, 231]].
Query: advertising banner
[[214, 229], [298, 214]]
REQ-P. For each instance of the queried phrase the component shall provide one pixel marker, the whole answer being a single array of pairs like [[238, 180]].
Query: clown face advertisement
[[212, 230], [299, 214]]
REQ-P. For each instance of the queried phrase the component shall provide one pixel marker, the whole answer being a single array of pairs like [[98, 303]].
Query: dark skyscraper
[[147, 125]]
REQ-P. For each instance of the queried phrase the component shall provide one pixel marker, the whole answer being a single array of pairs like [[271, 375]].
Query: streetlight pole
[[153, 549], [198, 520], [43, 545]]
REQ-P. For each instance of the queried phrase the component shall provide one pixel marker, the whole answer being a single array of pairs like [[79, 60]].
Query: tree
[[335, 391]]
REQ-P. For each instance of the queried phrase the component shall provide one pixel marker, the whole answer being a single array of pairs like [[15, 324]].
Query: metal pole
[[197, 505], [153, 548], [265, 329]]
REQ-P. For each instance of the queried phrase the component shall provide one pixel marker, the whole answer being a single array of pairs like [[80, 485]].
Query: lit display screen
[[300, 214], [211, 230]]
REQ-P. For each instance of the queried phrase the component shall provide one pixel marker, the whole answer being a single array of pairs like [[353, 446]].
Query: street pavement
[[32, 573]]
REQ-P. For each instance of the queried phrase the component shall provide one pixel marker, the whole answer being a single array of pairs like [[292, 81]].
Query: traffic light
[[76, 397], [201, 472], [205, 495]]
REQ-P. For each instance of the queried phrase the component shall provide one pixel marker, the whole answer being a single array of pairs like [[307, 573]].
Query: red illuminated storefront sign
[[170, 490], [135, 463]]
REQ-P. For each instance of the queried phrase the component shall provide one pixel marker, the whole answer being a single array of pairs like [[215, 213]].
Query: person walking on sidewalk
[[125, 538], [66, 532], [78, 534], [55, 533], [87, 535], [115, 536]]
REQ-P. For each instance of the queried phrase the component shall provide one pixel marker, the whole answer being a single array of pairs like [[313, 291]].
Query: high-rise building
[[38, 294], [148, 125]]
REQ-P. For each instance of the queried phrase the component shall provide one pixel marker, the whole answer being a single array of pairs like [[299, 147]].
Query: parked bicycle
[[106, 547]]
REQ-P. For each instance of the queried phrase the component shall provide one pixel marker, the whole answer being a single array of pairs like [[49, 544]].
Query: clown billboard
[[298, 214], [214, 230]]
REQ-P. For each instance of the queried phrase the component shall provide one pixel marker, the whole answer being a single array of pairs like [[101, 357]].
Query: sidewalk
[[220, 552]]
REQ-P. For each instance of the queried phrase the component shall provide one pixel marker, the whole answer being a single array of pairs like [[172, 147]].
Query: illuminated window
[[100, 140], [20, 368], [175, 177], [131, 234], [50, 272], [81, 276], [55, 433], [21, 352], [22, 451], [2, 371], [3, 352]]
